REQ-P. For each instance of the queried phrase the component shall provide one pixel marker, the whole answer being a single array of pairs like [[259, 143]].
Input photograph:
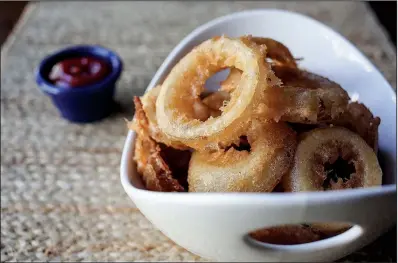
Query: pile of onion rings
[[271, 127]]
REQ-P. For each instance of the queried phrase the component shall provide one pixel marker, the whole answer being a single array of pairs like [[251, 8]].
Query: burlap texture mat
[[60, 193]]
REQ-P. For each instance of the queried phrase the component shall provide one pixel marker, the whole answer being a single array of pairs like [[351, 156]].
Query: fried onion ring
[[259, 169], [155, 172], [276, 51], [304, 97], [148, 102], [210, 104], [232, 80], [314, 98], [216, 100], [184, 84], [331, 159], [359, 119]]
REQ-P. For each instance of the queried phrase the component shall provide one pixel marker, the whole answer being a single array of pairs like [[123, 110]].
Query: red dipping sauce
[[79, 71]]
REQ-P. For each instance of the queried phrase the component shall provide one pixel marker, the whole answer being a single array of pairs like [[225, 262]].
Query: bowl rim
[[232, 197], [111, 57], [231, 16]]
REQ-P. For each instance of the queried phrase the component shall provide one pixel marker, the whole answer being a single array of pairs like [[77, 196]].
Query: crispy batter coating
[[244, 135], [320, 149], [258, 169], [278, 53], [359, 119], [315, 98], [332, 158], [216, 100], [148, 102], [155, 172], [304, 97], [182, 88]]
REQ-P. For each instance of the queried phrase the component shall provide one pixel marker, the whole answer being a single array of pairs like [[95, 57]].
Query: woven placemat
[[60, 193]]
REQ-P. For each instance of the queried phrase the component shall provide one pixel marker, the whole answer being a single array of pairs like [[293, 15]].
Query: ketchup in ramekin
[[81, 81], [79, 71]]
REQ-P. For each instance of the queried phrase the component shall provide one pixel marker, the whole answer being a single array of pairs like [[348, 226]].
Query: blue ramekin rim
[[95, 50]]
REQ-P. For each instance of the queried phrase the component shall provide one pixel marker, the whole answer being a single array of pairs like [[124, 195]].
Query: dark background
[[9, 14], [386, 12]]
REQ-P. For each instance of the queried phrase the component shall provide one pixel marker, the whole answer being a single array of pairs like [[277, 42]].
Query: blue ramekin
[[87, 103]]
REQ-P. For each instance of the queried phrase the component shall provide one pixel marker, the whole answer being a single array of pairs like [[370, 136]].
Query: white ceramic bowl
[[215, 225]]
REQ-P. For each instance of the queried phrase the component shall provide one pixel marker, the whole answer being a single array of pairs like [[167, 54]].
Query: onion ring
[[314, 98], [209, 104], [276, 51], [320, 149], [184, 84], [216, 100], [359, 119], [156, 174], [148, 103], [271, 153], [303, 98], [332, 159], [232, 80]]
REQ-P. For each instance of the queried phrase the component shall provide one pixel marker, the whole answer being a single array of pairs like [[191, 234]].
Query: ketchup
[[79, 71]]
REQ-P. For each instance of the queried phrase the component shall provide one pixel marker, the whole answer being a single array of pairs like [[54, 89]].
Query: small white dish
[[215, 225]]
